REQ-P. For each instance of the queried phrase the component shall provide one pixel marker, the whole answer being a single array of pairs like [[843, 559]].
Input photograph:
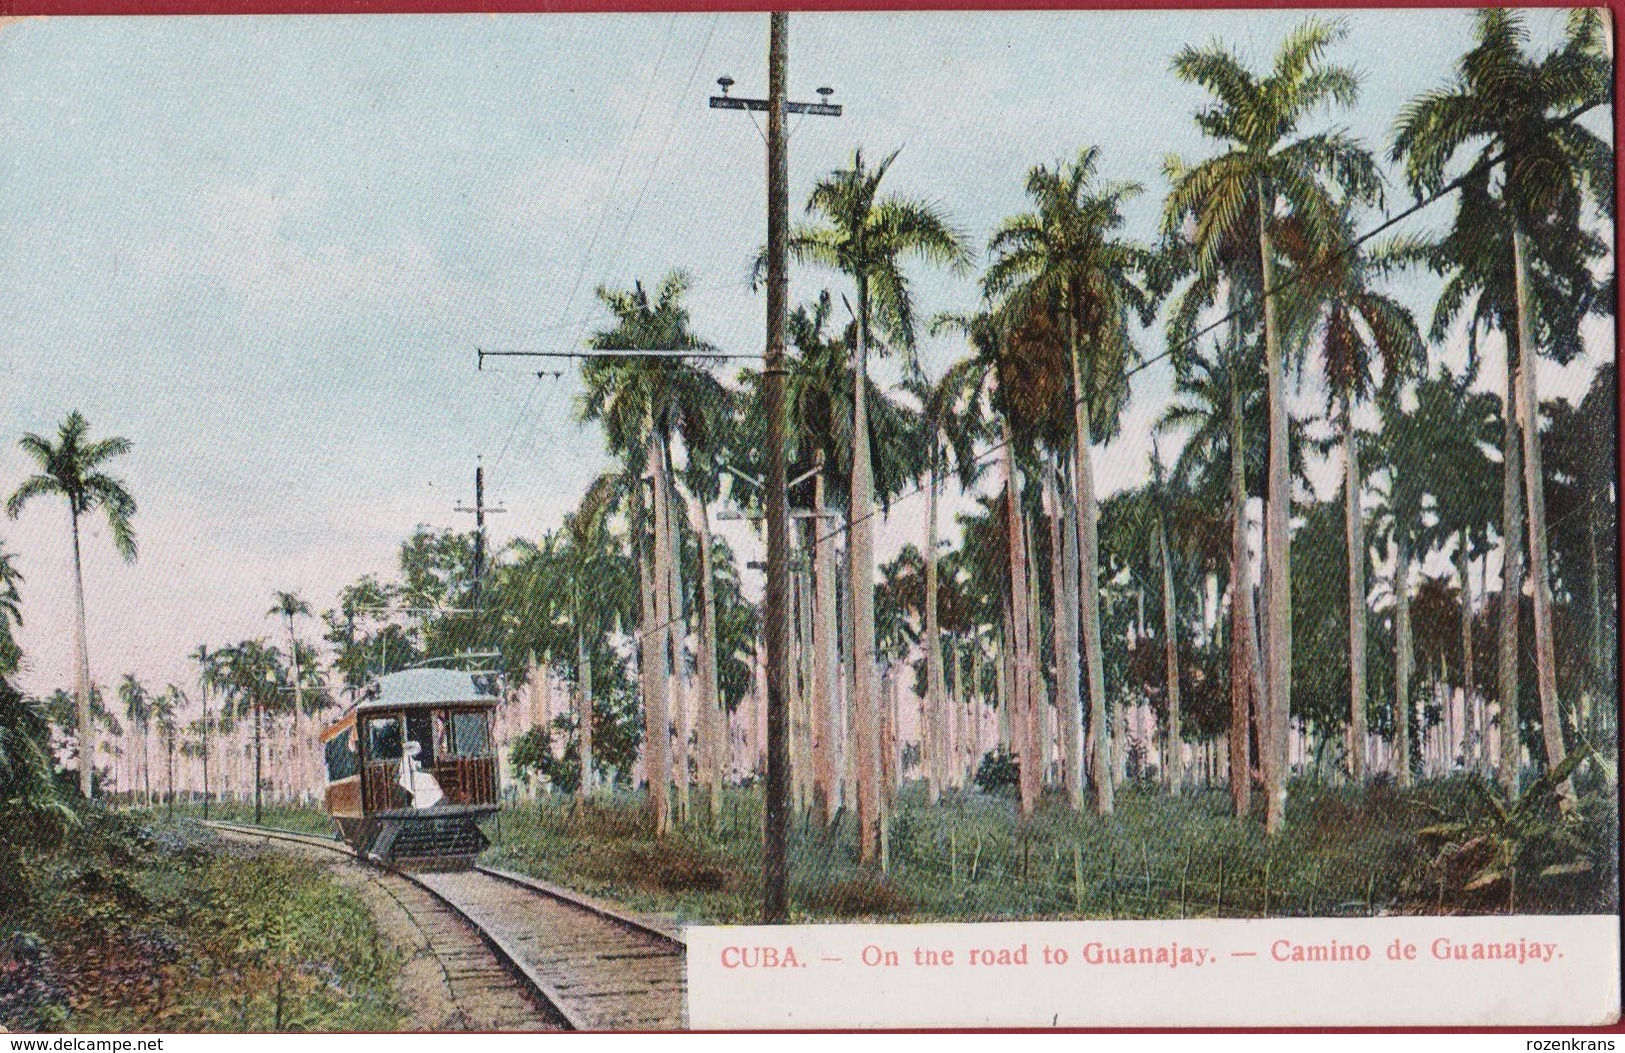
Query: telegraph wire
[[1292, 279]]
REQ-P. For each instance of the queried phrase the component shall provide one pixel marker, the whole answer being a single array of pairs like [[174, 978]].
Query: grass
[[159, 926], [309, 819], [1345, 852]]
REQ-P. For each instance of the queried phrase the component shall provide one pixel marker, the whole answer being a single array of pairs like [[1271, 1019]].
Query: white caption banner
[[1357, 972]]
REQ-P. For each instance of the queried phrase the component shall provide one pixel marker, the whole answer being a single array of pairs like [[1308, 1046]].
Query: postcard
[[643, 521]]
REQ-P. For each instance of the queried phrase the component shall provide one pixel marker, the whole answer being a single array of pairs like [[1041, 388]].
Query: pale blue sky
[[265, 249]]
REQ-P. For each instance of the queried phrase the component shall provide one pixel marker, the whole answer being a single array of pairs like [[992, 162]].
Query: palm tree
[[1063, 255], [951, 426], [1221, 405], [208, 678], [1514, 104], [1462, 425], [1263, 167], [1351, 326], [138, 711], [866, 237], [166, 708], [73, 468], [288, 606], [1404, 452], [252, 681], [642, 404], [1007, 351]]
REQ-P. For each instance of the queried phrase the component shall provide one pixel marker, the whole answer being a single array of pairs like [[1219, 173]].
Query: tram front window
[[420, 729], [470, 734], [384, 739]]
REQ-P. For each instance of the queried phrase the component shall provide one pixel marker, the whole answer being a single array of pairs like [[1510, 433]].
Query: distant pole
[[479, 510], [776, 817]]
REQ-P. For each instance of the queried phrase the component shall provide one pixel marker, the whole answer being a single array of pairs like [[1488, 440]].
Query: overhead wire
[[1191, 339], [603, 209], [535, 422]]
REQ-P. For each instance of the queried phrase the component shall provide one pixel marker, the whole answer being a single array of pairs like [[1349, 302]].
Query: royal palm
[[74, 468], [867, 237], [1265, 165], [1064, 253], [1504, 101], [1352, 326]]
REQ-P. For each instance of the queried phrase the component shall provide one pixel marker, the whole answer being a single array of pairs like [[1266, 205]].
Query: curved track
[[597, 968]]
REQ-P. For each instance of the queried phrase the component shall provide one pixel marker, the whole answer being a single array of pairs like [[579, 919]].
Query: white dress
[[422, 786]]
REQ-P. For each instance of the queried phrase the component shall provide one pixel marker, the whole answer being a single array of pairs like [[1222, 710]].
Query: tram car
[[411, 768]]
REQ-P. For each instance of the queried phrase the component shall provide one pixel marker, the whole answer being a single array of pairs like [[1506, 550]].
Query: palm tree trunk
[[259, 754], [1277, 544], [657, 632], [1244, 677], [1354, 518], [1040, 744], [1004, 691], [1089, 574], [205, 751], [1511, 576], [1170, 646], [583, 708], [81, 673], [1551, 726], [932, 732], [678, 633], [710, 714], [1063, 561], [1402, 663], [1471, 732], [826, 663], [1021, 708], [861, 558]]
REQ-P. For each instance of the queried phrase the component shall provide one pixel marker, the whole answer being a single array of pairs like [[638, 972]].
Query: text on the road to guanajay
[[1171, 955]]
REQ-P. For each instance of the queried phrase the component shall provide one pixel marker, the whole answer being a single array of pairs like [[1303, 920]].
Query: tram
[[411, 767]]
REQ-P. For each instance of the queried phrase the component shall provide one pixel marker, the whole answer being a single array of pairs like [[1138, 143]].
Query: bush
[[999, 770]]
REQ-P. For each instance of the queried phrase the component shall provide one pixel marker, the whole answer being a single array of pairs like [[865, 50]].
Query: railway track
[[594, 967]]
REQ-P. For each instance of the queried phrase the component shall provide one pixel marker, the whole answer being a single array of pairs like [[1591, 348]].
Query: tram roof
[[430, 687]]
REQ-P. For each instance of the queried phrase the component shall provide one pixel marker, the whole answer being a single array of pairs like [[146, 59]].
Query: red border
[[12, 8], [36, 8]]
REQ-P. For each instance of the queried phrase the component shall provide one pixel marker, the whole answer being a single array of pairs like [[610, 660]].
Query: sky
[[266, 249]]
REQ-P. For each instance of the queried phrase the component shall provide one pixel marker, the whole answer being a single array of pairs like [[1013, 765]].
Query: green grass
[[159, 926], [305, 819], [1345, 852]]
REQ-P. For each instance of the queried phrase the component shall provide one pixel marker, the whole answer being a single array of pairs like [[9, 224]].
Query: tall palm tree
[[1352, 326], [288, 606], [74, 468], [166, 709], [1266, 164], [867, 237], [138, 711], [1503, 100], [1404, 453], [252, 682], [642, 404], [951, 423], [208, 679], [1462, 425], [1064, 254]]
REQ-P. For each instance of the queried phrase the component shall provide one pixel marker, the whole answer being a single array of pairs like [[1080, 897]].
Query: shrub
[[999, 770]]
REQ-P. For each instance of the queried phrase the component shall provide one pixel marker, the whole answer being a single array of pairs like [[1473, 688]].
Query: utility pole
[[479, 511], [776, 825]]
